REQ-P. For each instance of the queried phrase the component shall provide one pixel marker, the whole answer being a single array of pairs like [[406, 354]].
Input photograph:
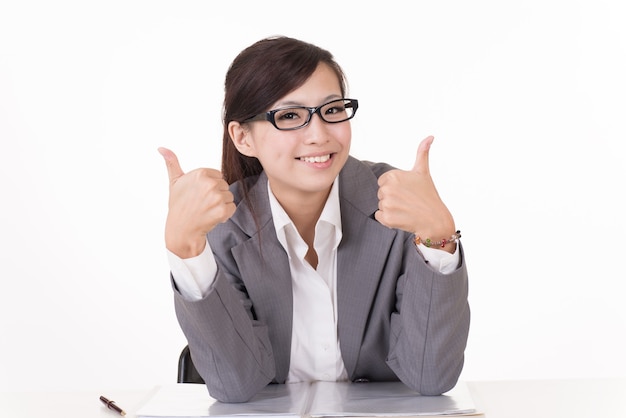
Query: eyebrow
[[294, 103]]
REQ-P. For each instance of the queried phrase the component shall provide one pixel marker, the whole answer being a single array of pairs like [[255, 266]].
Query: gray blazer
[[398, 319]]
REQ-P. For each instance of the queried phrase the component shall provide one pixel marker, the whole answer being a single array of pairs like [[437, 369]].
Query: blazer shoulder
[[357, 167], [377, 168], [249, 184]]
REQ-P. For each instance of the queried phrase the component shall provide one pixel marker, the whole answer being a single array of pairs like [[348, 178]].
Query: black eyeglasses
[[296, 117]]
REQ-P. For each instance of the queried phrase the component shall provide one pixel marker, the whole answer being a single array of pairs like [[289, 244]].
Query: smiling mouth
[[318, 159]]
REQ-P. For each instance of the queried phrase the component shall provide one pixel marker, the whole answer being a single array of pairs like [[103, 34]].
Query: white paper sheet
[[310, 400], [386, 399], [193, 400]]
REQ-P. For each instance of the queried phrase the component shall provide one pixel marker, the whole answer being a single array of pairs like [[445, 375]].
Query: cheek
[[260, 142], [270, 152], [345, 135]]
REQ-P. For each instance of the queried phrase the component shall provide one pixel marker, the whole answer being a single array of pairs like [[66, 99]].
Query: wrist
[[186, 248], [447, 244]]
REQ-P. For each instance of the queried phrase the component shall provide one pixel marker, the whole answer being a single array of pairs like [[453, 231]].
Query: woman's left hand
[[408, 200]]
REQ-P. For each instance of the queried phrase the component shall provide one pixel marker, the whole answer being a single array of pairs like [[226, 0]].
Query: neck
[[304, 211]]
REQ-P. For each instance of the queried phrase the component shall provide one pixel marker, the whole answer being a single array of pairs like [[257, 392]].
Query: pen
[[111, 405]]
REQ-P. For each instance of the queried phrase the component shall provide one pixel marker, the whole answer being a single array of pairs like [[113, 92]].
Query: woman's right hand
[[199, 200]]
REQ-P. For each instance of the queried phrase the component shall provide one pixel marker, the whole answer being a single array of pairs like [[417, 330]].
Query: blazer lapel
[[361, 255], [264, 265]]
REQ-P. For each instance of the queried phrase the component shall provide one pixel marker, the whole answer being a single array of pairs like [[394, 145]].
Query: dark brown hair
[[258, 77]]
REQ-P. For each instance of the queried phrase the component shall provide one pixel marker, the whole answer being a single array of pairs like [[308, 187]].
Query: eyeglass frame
[[269, 115]]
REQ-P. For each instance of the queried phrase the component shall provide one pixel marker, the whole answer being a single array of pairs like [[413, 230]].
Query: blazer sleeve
[[230, 349], [430, 326]]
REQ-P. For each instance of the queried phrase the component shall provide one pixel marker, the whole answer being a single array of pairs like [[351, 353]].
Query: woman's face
[[301, 163]]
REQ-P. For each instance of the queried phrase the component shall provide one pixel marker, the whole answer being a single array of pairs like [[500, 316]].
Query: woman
[[298, 262]]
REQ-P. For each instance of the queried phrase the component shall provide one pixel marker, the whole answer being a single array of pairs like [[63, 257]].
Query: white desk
[[601, 398], [77, 404], [587, 398]]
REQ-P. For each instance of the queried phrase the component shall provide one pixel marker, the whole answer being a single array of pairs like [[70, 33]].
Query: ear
[[241, 136]]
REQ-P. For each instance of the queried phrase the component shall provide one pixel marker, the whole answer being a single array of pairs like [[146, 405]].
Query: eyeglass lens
[[295, 117]]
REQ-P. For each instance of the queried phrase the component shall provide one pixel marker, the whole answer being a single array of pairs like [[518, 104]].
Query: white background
[[526, 101]]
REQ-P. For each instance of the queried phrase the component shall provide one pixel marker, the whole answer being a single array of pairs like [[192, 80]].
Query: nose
[[316, 132]]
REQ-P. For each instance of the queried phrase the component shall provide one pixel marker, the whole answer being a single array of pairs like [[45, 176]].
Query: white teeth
[[318, 159]]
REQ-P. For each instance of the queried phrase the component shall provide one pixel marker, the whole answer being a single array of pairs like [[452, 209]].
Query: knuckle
[[225, 211], [392, 175]]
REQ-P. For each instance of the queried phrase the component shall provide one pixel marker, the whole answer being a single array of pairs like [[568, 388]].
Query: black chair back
[[187, 372]]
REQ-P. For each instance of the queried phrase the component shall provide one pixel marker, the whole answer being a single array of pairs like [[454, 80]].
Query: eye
[[290, 114], [287, 115], [334, 109]]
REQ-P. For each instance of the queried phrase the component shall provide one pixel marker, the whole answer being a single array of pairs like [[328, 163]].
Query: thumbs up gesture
[[408, 200], [198, 201]]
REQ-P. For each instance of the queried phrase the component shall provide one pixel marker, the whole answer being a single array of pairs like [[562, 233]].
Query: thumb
[[421, 158], [171, 161]]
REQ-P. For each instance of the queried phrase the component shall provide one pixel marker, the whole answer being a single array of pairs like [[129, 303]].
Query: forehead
[[323, 85]]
